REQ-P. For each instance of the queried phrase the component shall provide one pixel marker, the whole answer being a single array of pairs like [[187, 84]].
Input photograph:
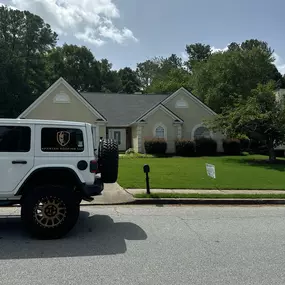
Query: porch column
[[179, 132], [139, 134]]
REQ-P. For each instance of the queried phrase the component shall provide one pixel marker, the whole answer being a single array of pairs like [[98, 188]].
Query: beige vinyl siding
[[192, 116], [171, 131], [102, 131], [73, 111]]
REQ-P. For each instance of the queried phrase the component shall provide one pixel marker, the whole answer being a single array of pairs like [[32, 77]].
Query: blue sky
[[131, 31]]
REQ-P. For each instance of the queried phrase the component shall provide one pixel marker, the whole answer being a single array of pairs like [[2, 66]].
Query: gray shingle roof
[[122, 109]]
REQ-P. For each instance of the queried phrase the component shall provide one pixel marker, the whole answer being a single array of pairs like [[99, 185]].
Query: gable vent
[[181, 103], [62, 97]]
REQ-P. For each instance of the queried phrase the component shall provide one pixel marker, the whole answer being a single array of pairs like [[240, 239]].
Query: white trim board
[[191, 96], [51, 89], [161, 107]]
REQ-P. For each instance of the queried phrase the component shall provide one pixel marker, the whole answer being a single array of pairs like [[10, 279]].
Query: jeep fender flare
[[36, 171]]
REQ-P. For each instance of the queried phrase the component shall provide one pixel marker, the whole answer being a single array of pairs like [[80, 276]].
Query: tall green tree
[[77, 65], [171, 82], [163, 74], [110, 79], [147, 71], [197, 52], [259, 116], [25, 39], [130, 81], [227, 75]]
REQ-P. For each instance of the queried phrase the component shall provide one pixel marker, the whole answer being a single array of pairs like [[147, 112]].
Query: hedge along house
[[127, 118]]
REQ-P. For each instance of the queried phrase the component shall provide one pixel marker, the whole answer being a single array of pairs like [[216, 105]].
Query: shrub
[[206, 146], [258, 147], [279, 152], [155, 146], [185, 148], [244, 144], [232, 146]]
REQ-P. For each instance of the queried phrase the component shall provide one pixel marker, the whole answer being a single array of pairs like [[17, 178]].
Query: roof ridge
[[122, 110]]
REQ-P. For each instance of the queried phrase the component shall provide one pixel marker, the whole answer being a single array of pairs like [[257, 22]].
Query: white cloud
[[213, 49], [279, 62], [90, 21], [184, 55]]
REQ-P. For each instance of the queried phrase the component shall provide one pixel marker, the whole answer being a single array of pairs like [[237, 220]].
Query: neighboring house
[[127, 118]]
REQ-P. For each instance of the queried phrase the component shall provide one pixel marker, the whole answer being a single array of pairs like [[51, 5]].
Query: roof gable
[[159, 106], [72, 91], [191, 96]]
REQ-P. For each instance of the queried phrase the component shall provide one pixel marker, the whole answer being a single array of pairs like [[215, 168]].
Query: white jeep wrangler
[[49, 167]]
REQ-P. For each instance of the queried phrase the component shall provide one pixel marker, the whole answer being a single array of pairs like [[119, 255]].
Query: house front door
[[119, 135]]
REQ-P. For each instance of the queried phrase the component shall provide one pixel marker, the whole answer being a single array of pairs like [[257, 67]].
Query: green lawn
[[241, 172], [211, 196]]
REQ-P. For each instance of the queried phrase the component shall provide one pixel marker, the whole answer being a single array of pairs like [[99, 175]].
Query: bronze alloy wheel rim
[[50, 212]]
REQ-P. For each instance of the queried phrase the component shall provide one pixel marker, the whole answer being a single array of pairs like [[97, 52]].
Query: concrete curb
[[198, 201], [184, 201]]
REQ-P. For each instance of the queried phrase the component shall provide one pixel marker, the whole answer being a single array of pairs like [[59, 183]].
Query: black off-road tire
[[36, 224], [108, 160]]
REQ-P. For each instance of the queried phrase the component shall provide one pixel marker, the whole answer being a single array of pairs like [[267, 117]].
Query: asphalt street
[[150, 245]]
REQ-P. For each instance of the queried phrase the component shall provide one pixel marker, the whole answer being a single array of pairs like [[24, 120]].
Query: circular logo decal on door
[[63, 138]]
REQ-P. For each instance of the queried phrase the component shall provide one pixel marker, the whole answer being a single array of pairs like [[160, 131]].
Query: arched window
[[202, 132], [159, 132]]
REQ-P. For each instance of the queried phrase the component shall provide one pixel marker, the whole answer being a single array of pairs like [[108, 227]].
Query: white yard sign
[[211, 170]]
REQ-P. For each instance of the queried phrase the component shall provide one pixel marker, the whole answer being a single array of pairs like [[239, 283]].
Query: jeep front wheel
[[49, 212]]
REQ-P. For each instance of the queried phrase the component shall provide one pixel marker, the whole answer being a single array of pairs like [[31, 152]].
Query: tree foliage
[[129, 80], [24, 40], [258, 116], [163, 75], [197, 53], [75, 64], [227, 75]]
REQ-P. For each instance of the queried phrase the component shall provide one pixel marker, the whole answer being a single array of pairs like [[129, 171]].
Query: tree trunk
[[272, 156]]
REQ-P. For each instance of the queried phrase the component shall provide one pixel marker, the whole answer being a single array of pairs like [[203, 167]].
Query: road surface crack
[[199, 236]]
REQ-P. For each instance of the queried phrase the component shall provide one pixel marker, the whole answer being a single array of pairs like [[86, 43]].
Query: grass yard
[[212, 196], [235, 172]]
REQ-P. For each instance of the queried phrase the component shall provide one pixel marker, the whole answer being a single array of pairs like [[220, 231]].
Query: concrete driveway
[[112, 194]]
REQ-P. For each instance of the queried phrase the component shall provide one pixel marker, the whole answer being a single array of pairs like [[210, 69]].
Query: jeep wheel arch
[[54, 175]]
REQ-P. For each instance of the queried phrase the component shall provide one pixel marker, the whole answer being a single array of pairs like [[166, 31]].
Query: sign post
[[146, 170]]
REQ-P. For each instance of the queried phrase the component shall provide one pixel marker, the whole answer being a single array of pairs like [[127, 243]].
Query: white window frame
[[160, 125], [197, 127]]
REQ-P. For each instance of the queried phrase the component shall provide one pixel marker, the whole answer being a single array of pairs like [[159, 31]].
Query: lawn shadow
[[93, 235], [262, 163]]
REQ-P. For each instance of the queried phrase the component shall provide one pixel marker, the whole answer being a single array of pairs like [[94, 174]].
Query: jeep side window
[[62, 140], [15, 139]]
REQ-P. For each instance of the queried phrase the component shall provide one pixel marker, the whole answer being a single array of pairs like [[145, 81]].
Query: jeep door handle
[[19, 162]]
